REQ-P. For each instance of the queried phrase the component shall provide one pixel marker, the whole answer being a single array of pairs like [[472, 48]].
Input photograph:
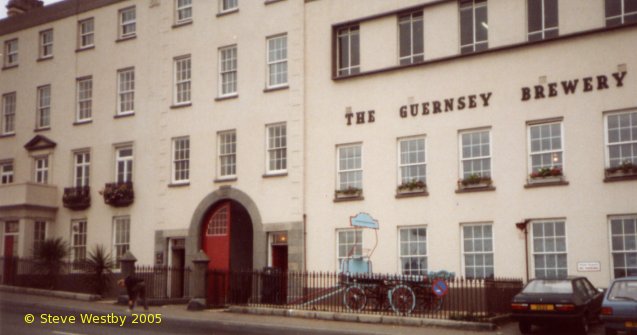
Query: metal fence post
[[198, 301]]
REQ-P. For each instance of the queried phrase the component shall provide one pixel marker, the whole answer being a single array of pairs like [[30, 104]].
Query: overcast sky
[[3, 10]]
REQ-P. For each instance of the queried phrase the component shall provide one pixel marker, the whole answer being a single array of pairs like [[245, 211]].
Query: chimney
[[17, 7]]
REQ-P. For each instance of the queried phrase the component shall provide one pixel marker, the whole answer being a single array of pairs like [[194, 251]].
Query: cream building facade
[[488, 138]]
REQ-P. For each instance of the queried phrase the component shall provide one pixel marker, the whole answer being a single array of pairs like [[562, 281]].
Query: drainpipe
[[524, 226]]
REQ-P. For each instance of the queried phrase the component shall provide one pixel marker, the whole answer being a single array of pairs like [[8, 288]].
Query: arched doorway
[[227, 240]]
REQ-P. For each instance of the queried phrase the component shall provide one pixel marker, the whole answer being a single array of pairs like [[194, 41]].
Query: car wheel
[[610, 331], [525, 327]]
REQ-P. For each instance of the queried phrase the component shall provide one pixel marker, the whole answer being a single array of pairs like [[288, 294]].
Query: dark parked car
[[619, 309], [573, 301]]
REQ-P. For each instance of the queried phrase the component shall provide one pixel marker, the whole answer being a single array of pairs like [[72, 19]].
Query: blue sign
[[363, 220], [440, 287]]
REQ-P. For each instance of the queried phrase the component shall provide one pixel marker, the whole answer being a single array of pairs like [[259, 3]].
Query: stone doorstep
[[365, 318]]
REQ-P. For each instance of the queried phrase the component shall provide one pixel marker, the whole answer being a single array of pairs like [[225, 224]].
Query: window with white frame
[[8, 113], [6, 172], [413, 250], [46, 44], [227, 154], [124, 164], [549, 249], [86, 33], [350, 167], [623, 231], [475, 154], [126, 91], [183, 11], [41, 169], [349, 244], [277, 148], [78, 240], [11, 53], [228, 71], [412, 166], [411, 38], [121, 237], [348, 50], [127, 22], [182, 80], [277, 61], [543, 19], [620, 12], [43, 117], [228, 5], [82, 168], [181, 160], [39, 235], [84, 99], [474, 27], [621, 139], [218, 223], [545, 149], [478, 250]]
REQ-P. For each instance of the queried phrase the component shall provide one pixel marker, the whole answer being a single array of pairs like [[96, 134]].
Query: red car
[[573, 301]]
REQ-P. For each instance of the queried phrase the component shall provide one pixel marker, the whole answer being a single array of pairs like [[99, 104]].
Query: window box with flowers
[[627, 170], [547, 175], [350, 193], [77, 198], [414, 187], [118, 194], [475, 182]]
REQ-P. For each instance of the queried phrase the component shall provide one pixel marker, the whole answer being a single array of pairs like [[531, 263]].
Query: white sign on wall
[[589, 267]]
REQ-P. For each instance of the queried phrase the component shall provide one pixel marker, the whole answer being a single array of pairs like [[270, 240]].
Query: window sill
[[275, 174], [346, 198], [619, 176], [182, 105], [44, 59], [276, 88], [228, 12], [225, 180], [10, 67], [179, 184], [37, 130], [126, 38], [79, 123], [92, 47], [7, 135], [477, 188], [412, 194], [227, 97], [546, 183], [269, 2], [182, 24], [122, 116]]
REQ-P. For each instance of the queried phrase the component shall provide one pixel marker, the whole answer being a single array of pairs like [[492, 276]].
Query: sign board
[[440, 287], [363, 220], [589, 267]]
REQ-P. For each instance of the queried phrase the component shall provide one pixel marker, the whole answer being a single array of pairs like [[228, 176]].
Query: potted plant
[[77, 198], [475, 180], [118, 194], [349, 192], [624, 168], [414, 185], [547, 172]]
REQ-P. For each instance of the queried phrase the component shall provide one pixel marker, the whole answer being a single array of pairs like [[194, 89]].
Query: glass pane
[[535, 15], [613, 8], [550, 10]]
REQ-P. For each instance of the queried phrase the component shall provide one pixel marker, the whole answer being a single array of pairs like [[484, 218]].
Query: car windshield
[[549, 286], [623, 290]]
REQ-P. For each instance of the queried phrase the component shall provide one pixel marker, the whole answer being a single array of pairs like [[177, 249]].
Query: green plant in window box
[[546, 172], [118, 194], [412, 185], [476, 179], [626, 167], [348, 192]]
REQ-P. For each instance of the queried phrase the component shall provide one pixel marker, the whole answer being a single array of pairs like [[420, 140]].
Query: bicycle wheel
[[402, 299], [354, 298]]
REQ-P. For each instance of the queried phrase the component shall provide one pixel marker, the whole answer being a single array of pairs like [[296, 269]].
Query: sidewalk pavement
[[241, 315]]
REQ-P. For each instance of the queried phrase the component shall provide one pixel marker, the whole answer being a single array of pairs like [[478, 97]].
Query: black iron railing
[[77, 198]]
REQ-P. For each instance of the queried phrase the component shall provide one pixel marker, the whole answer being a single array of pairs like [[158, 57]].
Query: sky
[[3, 9]]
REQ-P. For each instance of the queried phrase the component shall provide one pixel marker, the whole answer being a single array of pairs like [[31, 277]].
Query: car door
[[596, 297]]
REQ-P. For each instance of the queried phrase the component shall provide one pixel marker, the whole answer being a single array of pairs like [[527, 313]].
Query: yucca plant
[[49, 259], [99, 264]]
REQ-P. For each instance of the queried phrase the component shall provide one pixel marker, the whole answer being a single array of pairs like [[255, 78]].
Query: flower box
[[77, 198], [625, 169], [350, 192], [546, 175], [475, 181], [414, 186], [118, 194]]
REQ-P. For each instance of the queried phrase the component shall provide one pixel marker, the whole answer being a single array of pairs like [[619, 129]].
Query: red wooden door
[[216, 245], [9, 261]]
